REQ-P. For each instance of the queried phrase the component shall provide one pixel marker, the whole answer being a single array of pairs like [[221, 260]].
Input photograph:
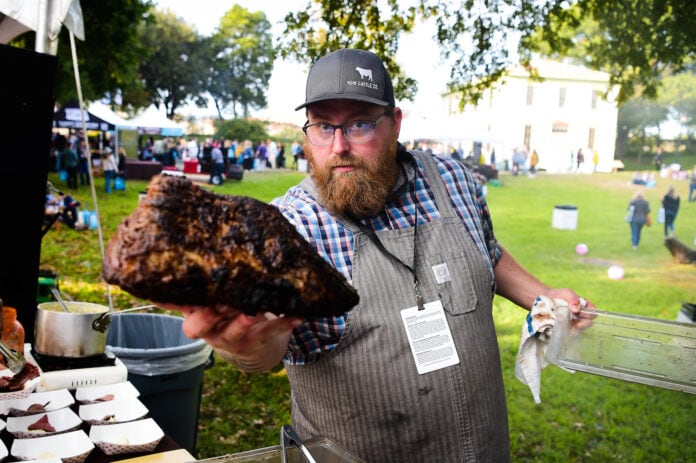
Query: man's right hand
[[253, 343]]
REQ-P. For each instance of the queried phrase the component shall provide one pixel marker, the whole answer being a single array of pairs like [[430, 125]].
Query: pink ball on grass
[[581, 249], [616, 272]]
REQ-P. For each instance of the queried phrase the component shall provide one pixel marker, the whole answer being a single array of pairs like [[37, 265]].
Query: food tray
[[632, 348], [322, 450]]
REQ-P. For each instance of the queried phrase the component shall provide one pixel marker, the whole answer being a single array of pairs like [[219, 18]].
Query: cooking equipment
[[69, 334], [102, 323], [71, 373], [13, 359], [78, 330], [289, 437], [59, 298], [628, 347]]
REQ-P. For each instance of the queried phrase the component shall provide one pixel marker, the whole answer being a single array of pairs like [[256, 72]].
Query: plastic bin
[[565, 217], [166, 367]]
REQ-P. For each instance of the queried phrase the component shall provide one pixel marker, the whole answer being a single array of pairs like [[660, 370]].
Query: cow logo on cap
[[364, 73]]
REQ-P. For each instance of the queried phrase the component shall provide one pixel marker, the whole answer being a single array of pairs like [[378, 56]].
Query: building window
[[530, 95], [527, 134], [590, 138], [561, 97], [560, 127]]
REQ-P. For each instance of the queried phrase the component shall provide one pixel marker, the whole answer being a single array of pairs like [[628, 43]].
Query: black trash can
[[166, 367]]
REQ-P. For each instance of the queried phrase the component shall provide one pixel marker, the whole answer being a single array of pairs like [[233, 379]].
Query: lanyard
[[375, 239]]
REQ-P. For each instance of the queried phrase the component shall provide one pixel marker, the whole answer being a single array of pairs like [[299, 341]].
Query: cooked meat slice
[[17, 382], [42, 425], [186, 245]]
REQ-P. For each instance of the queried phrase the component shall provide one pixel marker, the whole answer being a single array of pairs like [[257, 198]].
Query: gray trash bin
[[166, 367]]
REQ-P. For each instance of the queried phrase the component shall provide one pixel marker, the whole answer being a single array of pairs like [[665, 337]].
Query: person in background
[[83, 162], [248, 155], [271, 153], [533, 162], [68, 160], [670, 202], [218, 163], [595, 160], [657, 160], [692, 185], [110, 167], [410, 231], [122, 161], [639, 218]]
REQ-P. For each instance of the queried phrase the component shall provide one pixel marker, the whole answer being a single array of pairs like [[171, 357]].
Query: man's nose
[[340, 143]]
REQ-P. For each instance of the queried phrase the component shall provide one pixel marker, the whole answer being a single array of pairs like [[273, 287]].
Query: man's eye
[[325, 128], [358, 125]]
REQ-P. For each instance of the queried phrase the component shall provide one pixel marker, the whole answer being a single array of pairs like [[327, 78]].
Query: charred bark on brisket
[[186, 245]]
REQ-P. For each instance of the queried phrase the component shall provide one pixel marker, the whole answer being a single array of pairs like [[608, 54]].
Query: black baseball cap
[[349, 74]]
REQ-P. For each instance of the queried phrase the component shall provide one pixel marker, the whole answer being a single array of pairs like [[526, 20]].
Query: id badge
[[429, 337]]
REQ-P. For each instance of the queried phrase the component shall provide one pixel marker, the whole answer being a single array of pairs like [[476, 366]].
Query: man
[[218, 165], [412, 233], [67, 159]]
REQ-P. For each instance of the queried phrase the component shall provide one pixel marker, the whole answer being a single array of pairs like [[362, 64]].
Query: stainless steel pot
[[73, 329], [69, 334]]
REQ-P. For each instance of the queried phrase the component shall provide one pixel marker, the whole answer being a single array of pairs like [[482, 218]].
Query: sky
[[418, 55]]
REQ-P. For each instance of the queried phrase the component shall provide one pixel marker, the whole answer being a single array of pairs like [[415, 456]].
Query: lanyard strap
[[375, 239]]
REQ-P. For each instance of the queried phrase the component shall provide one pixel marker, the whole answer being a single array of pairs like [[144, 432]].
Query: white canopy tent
[[153, 122]]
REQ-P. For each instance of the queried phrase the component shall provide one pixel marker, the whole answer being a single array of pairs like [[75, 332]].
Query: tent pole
[[89, 158]]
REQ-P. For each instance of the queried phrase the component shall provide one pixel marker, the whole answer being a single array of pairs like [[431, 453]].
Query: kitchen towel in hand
[[536, 333]]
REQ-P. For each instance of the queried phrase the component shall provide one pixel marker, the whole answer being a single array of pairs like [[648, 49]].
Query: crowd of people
[[260, 155]]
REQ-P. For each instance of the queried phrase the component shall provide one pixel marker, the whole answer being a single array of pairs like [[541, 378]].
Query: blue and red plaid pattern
[[334, 242]]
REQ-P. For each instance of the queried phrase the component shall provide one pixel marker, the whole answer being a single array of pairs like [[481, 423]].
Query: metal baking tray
[[643, 350], [323, 451]]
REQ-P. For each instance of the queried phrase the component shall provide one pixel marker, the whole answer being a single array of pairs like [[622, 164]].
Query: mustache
[[344, 161]]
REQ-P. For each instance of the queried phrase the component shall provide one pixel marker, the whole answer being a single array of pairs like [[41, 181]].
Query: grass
[[582, 417]]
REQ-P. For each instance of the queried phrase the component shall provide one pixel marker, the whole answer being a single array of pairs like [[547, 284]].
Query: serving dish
[[113, 411], [62, 420], [40, 402], [644, 350], [70, 447], [105, 393], [133, 436]]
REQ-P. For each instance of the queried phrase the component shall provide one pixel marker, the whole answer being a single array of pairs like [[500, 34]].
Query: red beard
[[361, 192]]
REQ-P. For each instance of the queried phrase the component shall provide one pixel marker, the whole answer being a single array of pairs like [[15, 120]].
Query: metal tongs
[[13, 359], [288, 437]]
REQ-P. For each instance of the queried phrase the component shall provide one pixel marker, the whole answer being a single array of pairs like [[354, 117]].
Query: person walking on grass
[[670, 202], [638, 216]]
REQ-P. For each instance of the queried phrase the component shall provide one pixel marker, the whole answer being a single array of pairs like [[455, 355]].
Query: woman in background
[[640, 217], [671, 204]]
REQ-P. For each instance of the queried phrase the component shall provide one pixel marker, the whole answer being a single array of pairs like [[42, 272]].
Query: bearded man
[[412, 373]]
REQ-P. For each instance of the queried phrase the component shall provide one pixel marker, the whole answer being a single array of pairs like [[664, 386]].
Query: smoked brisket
[[186, 245]]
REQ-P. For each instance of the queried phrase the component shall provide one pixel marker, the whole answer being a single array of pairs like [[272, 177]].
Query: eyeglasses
[[360, 131]]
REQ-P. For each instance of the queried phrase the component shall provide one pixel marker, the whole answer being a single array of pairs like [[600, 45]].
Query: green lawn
[[582, 417]]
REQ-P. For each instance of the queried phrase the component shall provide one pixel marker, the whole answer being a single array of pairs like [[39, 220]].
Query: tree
[[326, 25], [636, 39], [176, 57], [108, 58], [679, 92], [241, 61], [240, 129]]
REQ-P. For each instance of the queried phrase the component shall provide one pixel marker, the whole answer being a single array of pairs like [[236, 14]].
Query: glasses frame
[[335, 127]]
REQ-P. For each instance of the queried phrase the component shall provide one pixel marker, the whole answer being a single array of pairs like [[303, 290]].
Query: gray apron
[[366, 394]]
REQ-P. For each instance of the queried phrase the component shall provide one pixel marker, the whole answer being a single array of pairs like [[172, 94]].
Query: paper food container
[[632, 348], [62, 420], [134, 436], [70, 447]]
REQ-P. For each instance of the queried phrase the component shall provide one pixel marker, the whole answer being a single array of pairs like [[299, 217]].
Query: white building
[[564, 112]]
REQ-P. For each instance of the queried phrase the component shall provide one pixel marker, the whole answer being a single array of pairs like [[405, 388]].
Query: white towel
[[536, 333]]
